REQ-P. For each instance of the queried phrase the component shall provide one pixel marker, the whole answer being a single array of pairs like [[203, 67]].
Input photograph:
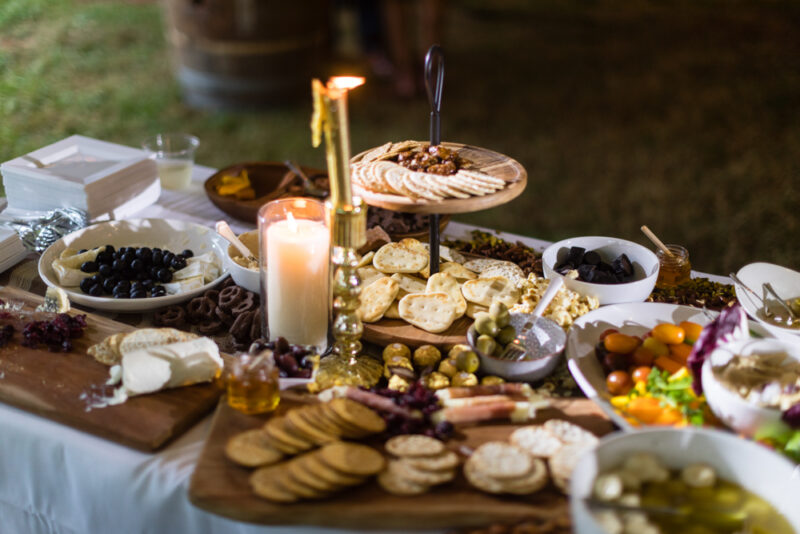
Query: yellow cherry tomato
[[692, 331], [620, 343], [655, 346], [669, 334]]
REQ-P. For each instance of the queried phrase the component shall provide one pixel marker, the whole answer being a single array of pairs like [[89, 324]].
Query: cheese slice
[[205, 265], [181, 286], [169, 366], [68, 268]]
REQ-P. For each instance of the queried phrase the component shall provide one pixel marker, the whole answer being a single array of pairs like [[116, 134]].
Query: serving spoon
[[225, 231], [308, 185]]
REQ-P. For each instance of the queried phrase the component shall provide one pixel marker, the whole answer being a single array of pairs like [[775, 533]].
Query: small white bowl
[[741, 415], [754, 467], [244, 277], [645, 268], [786, 283]]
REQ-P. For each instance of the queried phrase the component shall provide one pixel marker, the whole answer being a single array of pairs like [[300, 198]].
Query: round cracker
[[284, 441], [294, 485], [252, 448], [501, 460], [266, 485], [414, 445], [298, 469], [314, 464], [352, 458], [535, 480], [569, 433], [299, 425], [358, 415], [563, 462], [403, 469], [536, 441], [440, 462], [397, 485]]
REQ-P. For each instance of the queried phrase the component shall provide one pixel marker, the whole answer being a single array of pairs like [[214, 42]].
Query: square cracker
[[485, 290], [446, 283], [434, 312], [376, 299]]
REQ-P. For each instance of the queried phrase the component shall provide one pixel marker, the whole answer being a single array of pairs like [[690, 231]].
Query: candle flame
[[292, 222], [345, 82]]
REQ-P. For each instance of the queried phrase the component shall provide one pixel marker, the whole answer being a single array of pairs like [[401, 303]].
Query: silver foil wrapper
[[39, 233]]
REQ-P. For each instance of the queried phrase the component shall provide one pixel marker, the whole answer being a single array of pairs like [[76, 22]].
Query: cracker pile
[[498, 467], [418, 463], [398, 285], [567, 305], [377, 173], [559, 442], [318, 474], [302, 429]]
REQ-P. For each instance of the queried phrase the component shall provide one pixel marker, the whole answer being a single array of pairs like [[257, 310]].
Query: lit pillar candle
[[297, 253]]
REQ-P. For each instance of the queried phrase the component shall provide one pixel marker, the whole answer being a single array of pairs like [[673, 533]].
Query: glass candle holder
[[253, 383], [673, 270], [294, 242]]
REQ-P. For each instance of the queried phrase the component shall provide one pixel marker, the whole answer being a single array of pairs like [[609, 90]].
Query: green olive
[[499, 313], [506, 335], [468, 361], [464, 379], [448, 368], [485, 344], [485, 325]]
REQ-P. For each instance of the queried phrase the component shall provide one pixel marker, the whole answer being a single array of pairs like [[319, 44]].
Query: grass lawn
[[683, 115]]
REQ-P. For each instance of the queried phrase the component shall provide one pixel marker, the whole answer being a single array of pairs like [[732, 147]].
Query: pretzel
[[172, 316], [200, 308], [230, 297], [209, 327], [213, 294], [226, 318], [247, 304], [242, 325]]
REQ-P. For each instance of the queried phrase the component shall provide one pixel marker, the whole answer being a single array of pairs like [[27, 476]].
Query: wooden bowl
[[265, 177]]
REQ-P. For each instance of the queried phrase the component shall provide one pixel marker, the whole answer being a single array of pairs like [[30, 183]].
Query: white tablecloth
[[56, 480]]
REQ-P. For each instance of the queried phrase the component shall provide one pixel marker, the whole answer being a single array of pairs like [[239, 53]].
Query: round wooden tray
[[486, 160], [388, 331]]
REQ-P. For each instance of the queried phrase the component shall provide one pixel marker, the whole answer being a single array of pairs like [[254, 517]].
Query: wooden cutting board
[[388, 331], [221, 487], [50, 384]]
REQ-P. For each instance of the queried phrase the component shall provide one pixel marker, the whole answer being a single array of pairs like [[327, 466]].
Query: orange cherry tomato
[[619, 383], [643, 356], [669, 334], [680, 352], [606, 332], [692, 331], [621, 343], [669, 417], [645, 409], [668, 364], [640, 374]]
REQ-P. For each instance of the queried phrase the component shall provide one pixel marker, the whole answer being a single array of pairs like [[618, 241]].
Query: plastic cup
[[174, 157]]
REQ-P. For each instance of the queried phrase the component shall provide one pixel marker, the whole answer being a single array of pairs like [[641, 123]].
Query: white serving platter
[[633, 319], [162, 233], [786, 283]]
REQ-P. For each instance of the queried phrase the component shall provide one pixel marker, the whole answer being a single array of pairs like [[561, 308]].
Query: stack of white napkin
[[11, 249], [104, 179]]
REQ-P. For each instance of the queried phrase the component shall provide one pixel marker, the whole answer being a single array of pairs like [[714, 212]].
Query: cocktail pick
[[434, 81]]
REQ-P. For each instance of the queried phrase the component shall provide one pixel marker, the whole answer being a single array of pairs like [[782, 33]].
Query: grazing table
[[57, 480]]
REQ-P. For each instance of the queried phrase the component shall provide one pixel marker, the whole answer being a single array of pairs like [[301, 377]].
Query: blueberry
[[122, 295], [164, 275], [109, 284], [142, 276], [110, 249], [105, 269], [157, 259], [141, 294], [178, 263], [97, 279], [89, 267], [123, 285], [86, 284], [137, 265], [135, 286], [104, 257], [128, 257], [118, 265], [96, 290], [148, 283], [159, 290], [156, 249], [187, 253], [128, 273], [144, 253], [168, 257]]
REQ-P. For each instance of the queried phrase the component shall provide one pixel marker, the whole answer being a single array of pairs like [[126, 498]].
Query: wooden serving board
[[50, 384], [486, 160], [388, 331], [221, 487]]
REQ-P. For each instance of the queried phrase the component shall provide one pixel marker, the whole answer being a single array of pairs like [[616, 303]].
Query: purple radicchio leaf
[[792, 416], [731, 324]]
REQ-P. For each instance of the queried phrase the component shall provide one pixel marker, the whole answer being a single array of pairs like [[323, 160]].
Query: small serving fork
[[515, 350]]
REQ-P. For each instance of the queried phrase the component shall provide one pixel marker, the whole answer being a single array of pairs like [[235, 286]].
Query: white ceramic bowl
[[163, 233], [645, 267], [755, 467], [741, 415], [244, 277], [786, 283]]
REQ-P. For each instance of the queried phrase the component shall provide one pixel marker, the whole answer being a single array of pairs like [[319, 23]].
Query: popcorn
[[567, 305]]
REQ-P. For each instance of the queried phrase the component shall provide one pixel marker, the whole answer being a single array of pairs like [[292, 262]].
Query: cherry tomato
[[655, 346], [621, 343], [616, 362], [640, 374], [643, 356], [669, 334], [680, 352], [619, 383], [607, 332], [692, 331]]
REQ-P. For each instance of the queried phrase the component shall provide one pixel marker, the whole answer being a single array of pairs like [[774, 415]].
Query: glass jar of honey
[[673, 270], [254, 383]]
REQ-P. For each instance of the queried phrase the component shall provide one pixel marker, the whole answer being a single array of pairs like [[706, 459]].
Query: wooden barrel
[[239, 54]]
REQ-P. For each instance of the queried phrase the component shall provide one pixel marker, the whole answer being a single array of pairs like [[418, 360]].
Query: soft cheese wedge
[[169, 366], [68, 268], [205, 265]]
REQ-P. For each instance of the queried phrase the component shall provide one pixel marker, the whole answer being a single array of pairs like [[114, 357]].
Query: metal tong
[[434, 81]]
